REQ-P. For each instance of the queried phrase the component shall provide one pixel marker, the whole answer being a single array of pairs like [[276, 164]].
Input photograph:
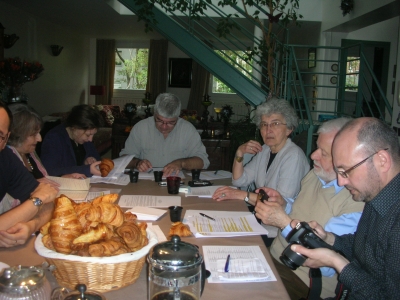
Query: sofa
[[102, 139]]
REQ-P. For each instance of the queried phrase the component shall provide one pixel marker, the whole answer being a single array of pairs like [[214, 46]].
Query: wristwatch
[[37, 202], [239, 158], [247, 198]]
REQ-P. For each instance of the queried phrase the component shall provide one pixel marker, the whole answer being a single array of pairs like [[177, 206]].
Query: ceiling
[[96, 19]]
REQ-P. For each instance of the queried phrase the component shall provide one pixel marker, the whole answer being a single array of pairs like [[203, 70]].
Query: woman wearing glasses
[[279, 163], [68, 147]]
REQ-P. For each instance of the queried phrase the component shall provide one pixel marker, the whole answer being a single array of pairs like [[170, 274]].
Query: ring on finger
[[251, 148], [223, 195]]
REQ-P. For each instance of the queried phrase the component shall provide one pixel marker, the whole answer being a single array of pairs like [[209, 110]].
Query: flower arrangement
[[190, 115], [15, 72], [226, 113]]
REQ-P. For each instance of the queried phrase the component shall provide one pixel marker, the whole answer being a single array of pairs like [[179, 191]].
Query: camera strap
[[314, 291]]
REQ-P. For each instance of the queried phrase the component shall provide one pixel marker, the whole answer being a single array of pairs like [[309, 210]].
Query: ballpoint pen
[[228, 259], [149, 171], [215, 173], [204, 215]]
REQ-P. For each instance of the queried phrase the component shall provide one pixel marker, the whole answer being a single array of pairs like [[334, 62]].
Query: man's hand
[[90, 160], [321, 257], [274, 196], [45, 192], [272, 213], [328, 237], [143, 165], [228, 193], [15, 235], [94, 168], [173, 167]]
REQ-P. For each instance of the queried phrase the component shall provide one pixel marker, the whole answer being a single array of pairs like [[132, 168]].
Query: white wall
[[64, 80]]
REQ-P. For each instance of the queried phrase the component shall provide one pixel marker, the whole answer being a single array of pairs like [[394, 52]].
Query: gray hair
[[26, 122], [333, 125], [167, 106], [277, 106]]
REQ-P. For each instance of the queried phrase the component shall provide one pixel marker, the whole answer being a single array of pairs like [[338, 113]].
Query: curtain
[[157, 72], [200, 82], [105, 68]]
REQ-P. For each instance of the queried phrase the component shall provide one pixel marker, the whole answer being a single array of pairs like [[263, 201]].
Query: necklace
[[29, 162]]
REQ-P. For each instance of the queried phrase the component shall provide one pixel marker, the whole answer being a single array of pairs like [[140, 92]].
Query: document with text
[[148, 201]]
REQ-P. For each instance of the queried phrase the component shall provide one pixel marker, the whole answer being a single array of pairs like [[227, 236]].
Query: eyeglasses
[[161, 122], [345, 173], [3, 138], [272, 125]]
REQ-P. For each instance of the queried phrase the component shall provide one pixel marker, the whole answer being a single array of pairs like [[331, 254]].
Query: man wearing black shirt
[[17, 224], [366, 157]]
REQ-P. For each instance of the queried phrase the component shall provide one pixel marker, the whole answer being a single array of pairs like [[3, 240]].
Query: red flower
[[14, 72]]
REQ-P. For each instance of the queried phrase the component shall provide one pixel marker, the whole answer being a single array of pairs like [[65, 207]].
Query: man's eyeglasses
[[345, 173], [169, 123], [271, 125], [3, 138]]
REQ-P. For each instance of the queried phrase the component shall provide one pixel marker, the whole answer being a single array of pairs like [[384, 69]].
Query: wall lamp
[[9, 40], [56, 49]]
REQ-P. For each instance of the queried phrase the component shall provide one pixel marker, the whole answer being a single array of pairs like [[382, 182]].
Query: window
[[131, 68], [352, 72], [237, 59]]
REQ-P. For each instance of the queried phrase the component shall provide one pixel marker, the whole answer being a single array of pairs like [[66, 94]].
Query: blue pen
[[228, 259]]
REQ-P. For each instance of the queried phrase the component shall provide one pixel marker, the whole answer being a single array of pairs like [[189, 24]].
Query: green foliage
[[133, 73]]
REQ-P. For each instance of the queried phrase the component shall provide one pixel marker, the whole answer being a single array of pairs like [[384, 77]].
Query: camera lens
[[292, 259]]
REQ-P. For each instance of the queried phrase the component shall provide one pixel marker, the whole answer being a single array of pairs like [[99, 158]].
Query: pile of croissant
[[106, 166], [99, 228]]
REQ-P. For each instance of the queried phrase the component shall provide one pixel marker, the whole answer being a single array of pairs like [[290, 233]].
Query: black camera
[[303, 235]]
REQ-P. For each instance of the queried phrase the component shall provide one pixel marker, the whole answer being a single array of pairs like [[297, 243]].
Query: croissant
[[102, 231], [106, 166], [131, 233], [45, 229], [46, 240], [107, 213], [81, 210], [64, 225], [110, 198], [180, 229], [109, 247]]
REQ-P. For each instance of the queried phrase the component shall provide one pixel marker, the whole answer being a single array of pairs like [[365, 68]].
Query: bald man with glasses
[[165, 140], [366, 157]]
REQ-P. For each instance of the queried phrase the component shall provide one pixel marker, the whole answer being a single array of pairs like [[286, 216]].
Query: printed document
[[76, 189], [245, 264], [222, 223], [149, 175], [204, 191], [148, 201]]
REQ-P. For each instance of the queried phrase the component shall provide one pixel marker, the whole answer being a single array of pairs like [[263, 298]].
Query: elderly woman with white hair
[[279, 163]]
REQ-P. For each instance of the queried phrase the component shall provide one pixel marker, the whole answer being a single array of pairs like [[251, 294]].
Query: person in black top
[[366, 157], [18, 223]]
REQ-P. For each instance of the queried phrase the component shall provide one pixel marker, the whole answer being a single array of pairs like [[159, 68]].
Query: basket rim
[[126, 257]]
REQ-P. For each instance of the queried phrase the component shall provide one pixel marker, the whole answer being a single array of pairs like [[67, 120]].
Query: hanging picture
[[180, 72], [312, 57]]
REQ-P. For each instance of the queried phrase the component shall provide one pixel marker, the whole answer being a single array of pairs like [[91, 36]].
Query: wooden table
[[26, 254]]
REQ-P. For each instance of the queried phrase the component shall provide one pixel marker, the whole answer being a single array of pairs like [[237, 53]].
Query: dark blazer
[[58, 156]]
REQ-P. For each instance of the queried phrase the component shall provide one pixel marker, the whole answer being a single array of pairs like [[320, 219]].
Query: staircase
[[315, 88]]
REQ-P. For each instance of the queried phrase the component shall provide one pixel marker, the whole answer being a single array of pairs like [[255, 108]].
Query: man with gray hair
[[320, 198], [166, 140]]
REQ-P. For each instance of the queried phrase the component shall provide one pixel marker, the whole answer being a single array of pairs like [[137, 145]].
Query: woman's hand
[[228, 193], [75, 176], [94, 168], [15, 235], [90, 160], [251, 147]]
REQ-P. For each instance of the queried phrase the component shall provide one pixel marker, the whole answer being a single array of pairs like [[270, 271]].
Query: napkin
[[147, 213]]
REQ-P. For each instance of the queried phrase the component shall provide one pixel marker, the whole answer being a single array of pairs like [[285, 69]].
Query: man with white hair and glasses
[[166, 140]]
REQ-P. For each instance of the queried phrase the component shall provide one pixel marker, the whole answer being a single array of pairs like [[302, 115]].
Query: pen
[[215, 173], [228, 259], [149, 171], [204, 215]]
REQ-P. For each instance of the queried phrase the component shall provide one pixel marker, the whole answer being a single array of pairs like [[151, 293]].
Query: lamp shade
[[98, 90]]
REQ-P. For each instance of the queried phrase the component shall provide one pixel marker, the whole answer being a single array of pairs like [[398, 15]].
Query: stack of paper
[[76, 189], [149, 175], [204, 191], [148, 201], [246, 264], [116, 175], [213, 175], [147, 213]]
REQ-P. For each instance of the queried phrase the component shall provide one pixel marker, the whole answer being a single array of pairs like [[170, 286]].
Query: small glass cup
[[173, 184], [158, 175], [196, 174], [134, 176], [175, 213]]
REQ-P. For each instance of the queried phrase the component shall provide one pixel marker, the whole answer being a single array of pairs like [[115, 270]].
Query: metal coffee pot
[[176, 271], [81, 293], [24, 283]]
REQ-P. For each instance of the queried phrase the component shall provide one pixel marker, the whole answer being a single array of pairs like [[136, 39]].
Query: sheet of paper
[[246, 264], [150, 176], [120, 164], [71, 183], [147, 213], [226, 224], [149, 201], [157, 230], [77, 196], [204, 191], [210, 175], [122, 179]]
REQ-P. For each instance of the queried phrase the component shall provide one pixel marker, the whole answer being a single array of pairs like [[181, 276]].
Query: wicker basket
[[101, 274]]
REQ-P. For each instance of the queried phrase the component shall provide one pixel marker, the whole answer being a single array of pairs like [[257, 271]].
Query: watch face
[[37, 201]]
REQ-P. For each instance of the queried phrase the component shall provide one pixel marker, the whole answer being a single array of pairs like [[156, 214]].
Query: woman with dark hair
[[68, 147], [25, 134]]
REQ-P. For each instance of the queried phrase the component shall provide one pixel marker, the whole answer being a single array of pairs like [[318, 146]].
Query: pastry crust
[[106, 166]]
